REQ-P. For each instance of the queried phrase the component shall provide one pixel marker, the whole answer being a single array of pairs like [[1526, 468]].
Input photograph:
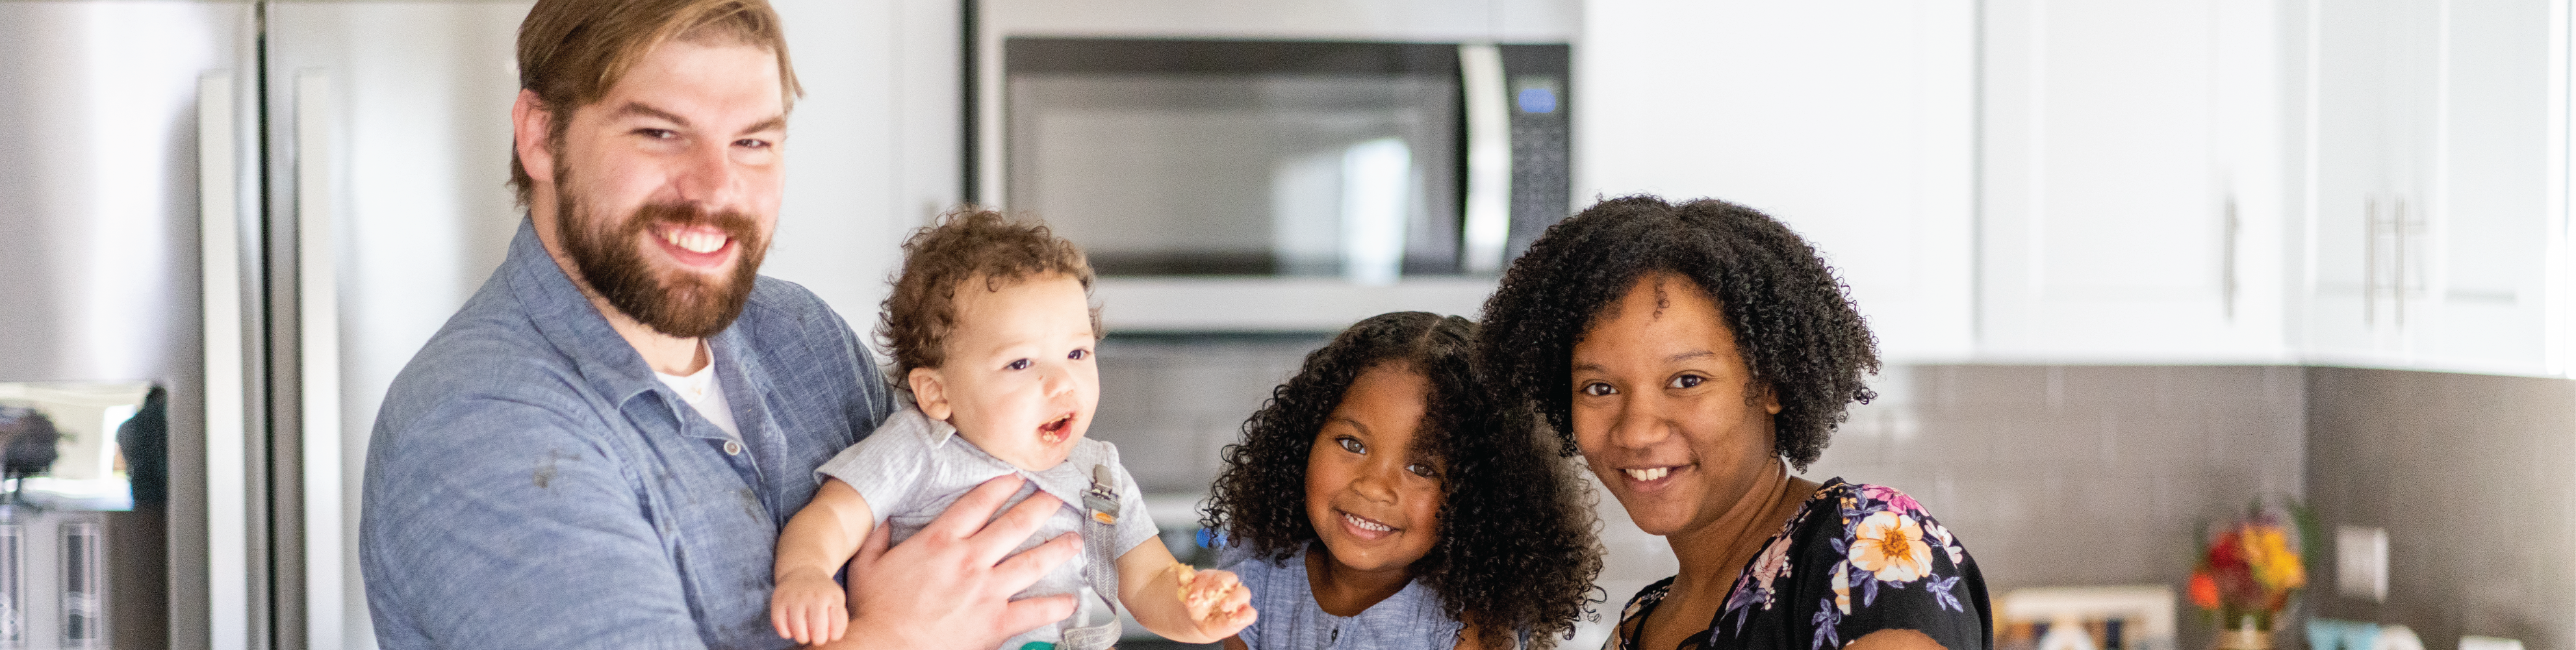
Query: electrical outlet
[[2361, 562]]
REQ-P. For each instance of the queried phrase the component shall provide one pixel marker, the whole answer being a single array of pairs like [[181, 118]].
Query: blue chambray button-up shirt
[[530, 484]]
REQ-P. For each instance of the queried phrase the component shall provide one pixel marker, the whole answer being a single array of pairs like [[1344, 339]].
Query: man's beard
[[676, 303]]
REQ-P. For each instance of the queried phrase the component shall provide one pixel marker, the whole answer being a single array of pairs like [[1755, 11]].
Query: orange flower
[[1890, 546], [2204, 590]]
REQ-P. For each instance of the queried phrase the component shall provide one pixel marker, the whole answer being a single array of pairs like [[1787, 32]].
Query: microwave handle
[[1489, 156]]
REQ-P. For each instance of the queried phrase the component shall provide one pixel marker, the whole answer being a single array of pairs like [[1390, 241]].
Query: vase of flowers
[[2249, 569]]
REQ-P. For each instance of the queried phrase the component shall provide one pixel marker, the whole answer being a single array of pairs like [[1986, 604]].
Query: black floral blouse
[[1854, 560]]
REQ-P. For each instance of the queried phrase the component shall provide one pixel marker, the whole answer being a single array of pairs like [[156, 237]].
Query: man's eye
[[1351, 445], [1424, 470], [1078, 354], [657, 134], [1597, 389], [1685, 381], [755, 144], [1018, 364]]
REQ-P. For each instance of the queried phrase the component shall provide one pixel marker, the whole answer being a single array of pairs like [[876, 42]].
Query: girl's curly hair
[[1515, 549], [1793, 324]]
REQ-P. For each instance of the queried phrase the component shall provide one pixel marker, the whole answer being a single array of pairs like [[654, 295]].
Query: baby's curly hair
[[1794, 325], [1515, 549], [940, 259]]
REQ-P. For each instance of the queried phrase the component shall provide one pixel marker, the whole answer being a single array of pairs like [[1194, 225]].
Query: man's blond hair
[[572, 51]]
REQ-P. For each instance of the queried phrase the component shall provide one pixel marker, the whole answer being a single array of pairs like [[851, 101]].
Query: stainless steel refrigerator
[[128, 196], [261, 210]]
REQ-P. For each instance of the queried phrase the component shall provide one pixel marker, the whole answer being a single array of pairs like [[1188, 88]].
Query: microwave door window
[[1265, 170]]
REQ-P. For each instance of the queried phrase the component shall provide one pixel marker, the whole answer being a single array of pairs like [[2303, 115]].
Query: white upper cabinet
[[2435, 184], [1852, 123], [2131, 200]]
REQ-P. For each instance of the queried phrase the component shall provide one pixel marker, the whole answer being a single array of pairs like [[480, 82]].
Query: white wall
[[872, 149]]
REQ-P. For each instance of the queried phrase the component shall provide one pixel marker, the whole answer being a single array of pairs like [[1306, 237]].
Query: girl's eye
[[1078, 354], [1423, 470], [1350, 444], [1597, 389], [1685, 381], [1018, 364]]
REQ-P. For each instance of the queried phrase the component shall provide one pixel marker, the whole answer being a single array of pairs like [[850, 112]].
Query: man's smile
[[695, 246]]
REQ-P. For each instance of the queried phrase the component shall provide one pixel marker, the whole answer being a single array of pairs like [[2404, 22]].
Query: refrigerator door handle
[[318, 311], [1489, 156], [227, 393]]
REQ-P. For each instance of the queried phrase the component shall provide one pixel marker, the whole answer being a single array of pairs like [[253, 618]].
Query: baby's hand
[[1216, 601], [807, 607]]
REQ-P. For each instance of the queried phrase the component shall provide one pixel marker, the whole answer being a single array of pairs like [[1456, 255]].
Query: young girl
[[1380, 500]]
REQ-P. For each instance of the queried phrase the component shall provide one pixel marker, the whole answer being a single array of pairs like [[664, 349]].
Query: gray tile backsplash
[[2468, 474], [2053, 475], [1172, 403]]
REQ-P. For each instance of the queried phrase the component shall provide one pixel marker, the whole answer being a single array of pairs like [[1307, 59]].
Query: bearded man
[[599, 449]]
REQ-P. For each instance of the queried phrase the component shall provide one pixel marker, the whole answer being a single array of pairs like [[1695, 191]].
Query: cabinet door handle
[[2370, 261], [2227, 262], [2397, 285]]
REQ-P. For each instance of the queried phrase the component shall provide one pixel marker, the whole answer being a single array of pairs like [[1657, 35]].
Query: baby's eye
[[1685, 381], [1350, 444], [1597, 389], [1017, 364], [1424, 470], [1078, 354]]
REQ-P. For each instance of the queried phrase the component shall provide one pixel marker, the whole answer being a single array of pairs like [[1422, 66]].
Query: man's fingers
[[1025, 615], [998, 538], [870, 549], [1024, 569], [968, 513]]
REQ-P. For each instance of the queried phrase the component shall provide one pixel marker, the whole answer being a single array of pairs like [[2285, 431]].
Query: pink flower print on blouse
[[1894, 500]]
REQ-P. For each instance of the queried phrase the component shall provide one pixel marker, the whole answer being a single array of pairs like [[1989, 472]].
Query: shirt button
[[733, 448]]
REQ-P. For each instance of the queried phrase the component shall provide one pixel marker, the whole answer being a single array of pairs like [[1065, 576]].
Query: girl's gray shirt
[[1291, 619]]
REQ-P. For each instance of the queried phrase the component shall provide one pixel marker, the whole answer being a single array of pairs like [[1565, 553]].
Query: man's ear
[[930, 393], [530, 126]]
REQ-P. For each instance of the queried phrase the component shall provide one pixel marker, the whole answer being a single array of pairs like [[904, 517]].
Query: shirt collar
[[1066, 480], [571, 323]]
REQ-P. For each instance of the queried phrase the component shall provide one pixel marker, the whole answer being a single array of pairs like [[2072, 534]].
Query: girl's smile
[[1371, 492]]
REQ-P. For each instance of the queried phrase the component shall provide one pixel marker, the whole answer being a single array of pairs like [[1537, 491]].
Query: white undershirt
[[704, 394]]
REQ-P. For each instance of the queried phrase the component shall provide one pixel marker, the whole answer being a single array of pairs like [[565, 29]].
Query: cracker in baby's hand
[[1189, 574], [1203, 598]]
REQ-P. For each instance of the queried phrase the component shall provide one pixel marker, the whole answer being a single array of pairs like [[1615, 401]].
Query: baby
[[991, 330]]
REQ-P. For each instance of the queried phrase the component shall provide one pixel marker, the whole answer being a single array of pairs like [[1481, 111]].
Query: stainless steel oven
[[1268, 166]]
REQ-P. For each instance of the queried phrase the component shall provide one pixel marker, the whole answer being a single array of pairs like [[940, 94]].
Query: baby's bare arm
[[1151, 584], [807, 606], [824, 535]]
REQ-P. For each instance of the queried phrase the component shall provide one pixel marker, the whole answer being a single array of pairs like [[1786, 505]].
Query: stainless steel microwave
[[1270, 166]]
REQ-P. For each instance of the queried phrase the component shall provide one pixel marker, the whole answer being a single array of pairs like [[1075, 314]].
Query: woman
[[1693, 354]]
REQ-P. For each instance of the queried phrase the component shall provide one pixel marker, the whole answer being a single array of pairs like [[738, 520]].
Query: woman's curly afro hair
[[1791, 319], [1515, 549]]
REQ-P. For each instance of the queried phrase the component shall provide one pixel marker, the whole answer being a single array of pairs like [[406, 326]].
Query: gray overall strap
[[1098, 541]]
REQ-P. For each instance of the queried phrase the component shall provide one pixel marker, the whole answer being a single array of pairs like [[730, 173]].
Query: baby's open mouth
[[1054, 431]]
